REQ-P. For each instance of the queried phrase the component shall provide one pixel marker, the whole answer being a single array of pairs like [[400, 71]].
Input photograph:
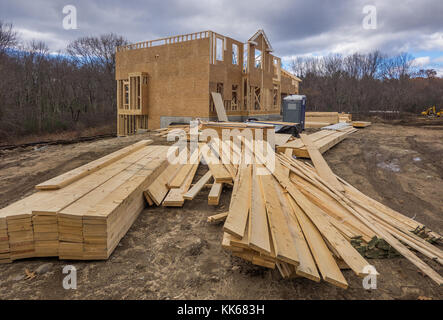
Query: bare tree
[[8, 37], [96, 51], [359, 83]]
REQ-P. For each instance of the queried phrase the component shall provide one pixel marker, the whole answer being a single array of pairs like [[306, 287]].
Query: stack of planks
[[320, 119], [305, 222], [361, 124], [174, 129], [174, 186], [84, 213], [345, 117], [323, 139]]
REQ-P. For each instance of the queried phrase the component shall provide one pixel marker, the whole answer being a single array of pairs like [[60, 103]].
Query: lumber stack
[[174, 186], [307, 222], [326, 118], [232, 127], [84, 213], [173, 129], [361, 124], [345, 117], [300, 219], [5, 256], [323, 140]]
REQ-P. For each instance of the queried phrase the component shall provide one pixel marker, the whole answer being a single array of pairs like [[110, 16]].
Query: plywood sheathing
[[183, 70]]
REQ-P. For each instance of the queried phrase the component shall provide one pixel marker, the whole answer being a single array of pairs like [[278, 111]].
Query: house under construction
[[171, 79]]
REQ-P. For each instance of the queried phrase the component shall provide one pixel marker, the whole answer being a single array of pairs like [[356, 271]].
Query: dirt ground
[[175, 254]]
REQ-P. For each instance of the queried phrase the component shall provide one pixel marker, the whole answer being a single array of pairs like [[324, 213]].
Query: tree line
[[368, 83], [43, 92]]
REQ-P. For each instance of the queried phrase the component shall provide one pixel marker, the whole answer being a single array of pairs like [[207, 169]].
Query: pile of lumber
[[345, 117], [287, 214], [323, 140], [173, 129], [185, 131], [84, 213], [361, 124], [320, 119], [307, 222], [174, 186]]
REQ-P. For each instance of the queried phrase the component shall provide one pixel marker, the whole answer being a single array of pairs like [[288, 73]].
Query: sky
[[294, 27]]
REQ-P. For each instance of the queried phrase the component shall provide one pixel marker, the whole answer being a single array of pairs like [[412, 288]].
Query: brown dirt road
[[175, 254]]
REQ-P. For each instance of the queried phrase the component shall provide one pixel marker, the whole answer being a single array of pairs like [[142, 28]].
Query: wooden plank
[[120, 208], [282, 138], [190, 195], [333, 208], [397, 245], [83, 204], [325, 261], [218, 170], [239, 207], [307, 267], [349, 254], [360, 124], [288, 152], [323, 140], [220, 217], [180, 177], [322, 167], [80, 172], [175, 198], [184, 171], [284, 246], [375, 227], [316, 124], [148, 198], [219, 107], [158, 190], [215, 194], [258, 221]]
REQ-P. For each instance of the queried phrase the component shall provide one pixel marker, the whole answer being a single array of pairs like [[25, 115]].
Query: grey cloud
[[294, 27]]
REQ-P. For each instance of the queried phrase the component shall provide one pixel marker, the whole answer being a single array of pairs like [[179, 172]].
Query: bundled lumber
[[323, 141], [173, 129], [299, 219], [78, 173], [173, 187], [345, 117], [84, 213], [325, 117], [361, 124], [316, 124], [306, 221], [216, 218], [231, 127]]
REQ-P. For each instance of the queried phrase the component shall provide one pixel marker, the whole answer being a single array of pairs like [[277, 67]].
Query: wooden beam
[[324, 171], [80, 172], [216, 218], [219, 107], [283, 243], [240, 202], [258, 221], [325, 261], [307, 267], [215, 194], [190, 195]]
